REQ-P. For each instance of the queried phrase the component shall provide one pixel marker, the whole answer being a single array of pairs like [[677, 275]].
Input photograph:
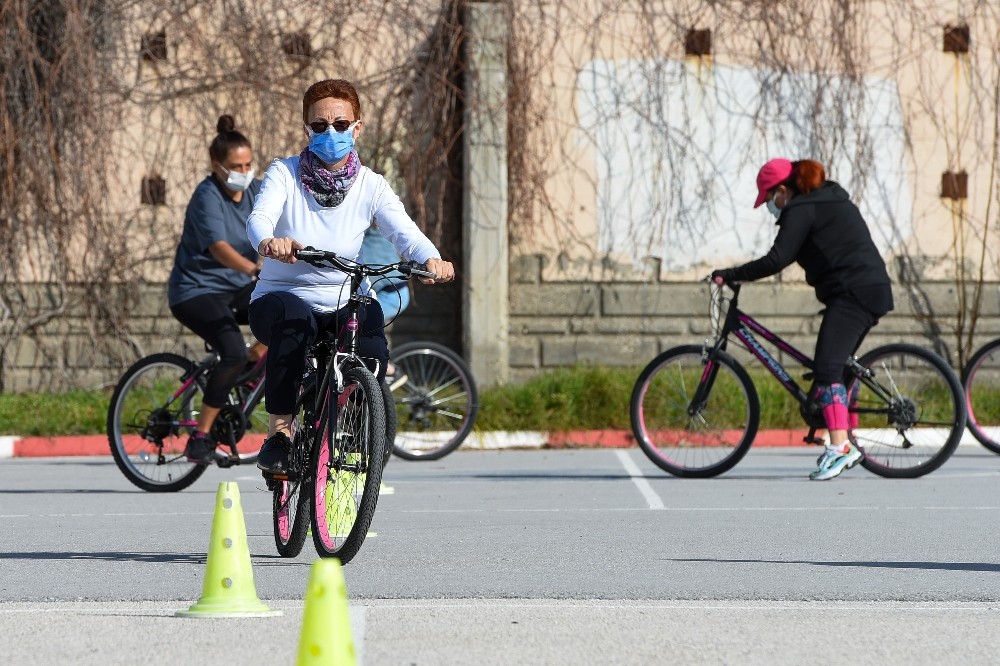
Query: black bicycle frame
[[743, 326]]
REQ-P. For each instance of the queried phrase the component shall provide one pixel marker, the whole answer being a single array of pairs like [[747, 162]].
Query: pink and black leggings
[[845, 324], [287, 325]]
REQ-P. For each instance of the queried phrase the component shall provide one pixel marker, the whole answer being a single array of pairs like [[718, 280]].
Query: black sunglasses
[[320, 126]]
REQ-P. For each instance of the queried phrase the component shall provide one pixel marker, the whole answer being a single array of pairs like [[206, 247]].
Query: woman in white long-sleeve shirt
[[325, 198]]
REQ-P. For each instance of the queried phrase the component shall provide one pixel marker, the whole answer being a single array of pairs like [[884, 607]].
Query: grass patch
[[577, 398], [592, 397], [51, 414]]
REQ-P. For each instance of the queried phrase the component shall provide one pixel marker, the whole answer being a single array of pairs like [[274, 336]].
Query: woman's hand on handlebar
[[723, 276], [443, 269], [281, 249]]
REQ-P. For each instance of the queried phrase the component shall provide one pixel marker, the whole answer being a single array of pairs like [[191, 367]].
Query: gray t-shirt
[[211, 216]]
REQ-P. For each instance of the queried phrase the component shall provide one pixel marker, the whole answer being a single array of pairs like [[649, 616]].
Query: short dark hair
[[335, 88], [226, 139]]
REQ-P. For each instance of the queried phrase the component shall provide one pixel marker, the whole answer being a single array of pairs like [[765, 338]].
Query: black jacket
[[825, 234]]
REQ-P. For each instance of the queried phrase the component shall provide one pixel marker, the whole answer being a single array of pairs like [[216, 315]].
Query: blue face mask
[[332, 146], [773, 207]]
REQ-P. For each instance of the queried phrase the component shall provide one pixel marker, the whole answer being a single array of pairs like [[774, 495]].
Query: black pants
[[284, 323], [845, 324], [216, 318]]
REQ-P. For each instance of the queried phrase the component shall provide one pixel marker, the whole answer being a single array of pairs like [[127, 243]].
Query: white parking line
[[652, 499]]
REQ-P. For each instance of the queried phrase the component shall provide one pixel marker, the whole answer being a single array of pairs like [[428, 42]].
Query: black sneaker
[[200, 448], [274, 455]]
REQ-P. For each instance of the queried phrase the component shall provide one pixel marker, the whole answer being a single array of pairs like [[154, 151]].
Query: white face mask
[[772, 207], [236, 181]]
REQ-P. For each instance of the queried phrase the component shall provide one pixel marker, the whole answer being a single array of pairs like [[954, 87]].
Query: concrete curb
[[97, 445]]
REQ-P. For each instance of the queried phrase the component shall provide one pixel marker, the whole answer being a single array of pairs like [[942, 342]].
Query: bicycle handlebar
[[408, 268]]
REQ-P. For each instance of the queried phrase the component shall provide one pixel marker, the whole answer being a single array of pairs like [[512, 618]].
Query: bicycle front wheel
[[436, 400], [149, 419], [693, 416], [910, 413], [348, 459], [981, 381]]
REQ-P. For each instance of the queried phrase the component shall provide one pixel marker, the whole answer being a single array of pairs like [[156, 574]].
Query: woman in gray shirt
[[214, 272]]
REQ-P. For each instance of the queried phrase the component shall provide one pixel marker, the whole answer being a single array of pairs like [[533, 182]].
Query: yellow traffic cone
[[326, 621], [229, 590]]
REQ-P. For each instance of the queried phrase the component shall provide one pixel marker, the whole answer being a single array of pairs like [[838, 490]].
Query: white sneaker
[[832, 463]]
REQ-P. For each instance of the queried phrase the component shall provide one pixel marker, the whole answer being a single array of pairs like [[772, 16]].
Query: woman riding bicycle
[[213, 274], [821, 230], [323, 197]]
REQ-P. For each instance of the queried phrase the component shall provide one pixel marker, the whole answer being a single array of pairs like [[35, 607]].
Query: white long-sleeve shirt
[[284, 209]]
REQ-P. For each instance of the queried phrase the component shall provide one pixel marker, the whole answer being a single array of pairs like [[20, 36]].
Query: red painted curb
[[70, 445], [91, 445], [97, 445]]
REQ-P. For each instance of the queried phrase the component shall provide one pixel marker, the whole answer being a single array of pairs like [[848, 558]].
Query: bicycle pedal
[[819, 441], [277, 477]]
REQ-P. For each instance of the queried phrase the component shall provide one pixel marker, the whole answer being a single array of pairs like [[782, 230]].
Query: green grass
[[578, 398], [50, 414]]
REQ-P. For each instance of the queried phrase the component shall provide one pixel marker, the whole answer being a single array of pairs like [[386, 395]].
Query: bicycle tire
[[709, 441], [981, 381], [289, 504], [146, 433], [922, 425], [437, 403], [348, 465]]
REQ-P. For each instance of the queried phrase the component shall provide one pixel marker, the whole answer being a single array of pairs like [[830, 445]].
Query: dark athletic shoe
[[274, 455], [200, 448]]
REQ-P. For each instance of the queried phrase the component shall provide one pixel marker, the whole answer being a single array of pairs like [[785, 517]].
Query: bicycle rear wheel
[[348, 458], [910, 413], [436, 401], [149, 419], [694, 417], [289, 504], [981, 380]]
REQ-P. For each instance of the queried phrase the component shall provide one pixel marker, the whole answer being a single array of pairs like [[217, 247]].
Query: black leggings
[[845, 324], [216, 318], [287, 325]]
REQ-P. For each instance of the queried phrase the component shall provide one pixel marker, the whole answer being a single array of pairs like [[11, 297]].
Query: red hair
[[807, 175], [335, 88]]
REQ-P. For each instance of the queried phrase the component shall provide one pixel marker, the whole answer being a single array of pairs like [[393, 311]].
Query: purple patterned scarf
[[329, 187]]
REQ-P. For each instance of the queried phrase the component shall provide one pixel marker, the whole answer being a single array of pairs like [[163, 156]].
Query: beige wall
[[948, 105], [162, 118]]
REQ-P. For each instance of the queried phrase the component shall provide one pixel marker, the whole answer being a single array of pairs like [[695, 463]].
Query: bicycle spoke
[[716, 435], [918, 428]]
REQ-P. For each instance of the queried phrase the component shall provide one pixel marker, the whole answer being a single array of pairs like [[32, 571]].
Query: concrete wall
[[552, 324]]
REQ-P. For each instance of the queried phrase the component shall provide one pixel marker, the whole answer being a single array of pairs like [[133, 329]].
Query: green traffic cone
[[229, 590], [326, 638]]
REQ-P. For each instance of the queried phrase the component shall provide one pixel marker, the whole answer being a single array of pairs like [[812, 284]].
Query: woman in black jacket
[[821, 230]]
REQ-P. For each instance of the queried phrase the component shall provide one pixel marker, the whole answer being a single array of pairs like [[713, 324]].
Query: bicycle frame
[[743, 326], [197, 375], [343, 348]]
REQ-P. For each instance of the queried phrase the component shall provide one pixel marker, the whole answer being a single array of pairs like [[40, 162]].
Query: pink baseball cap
[[770, 175]]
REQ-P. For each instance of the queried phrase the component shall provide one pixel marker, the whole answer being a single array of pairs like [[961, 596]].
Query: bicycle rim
[[691, 440], [917, 429], [348, 466], [149, 420], [436, 401], [981, 381]]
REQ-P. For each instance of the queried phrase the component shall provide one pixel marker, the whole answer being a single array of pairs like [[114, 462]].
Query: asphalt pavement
[[527, 557]]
